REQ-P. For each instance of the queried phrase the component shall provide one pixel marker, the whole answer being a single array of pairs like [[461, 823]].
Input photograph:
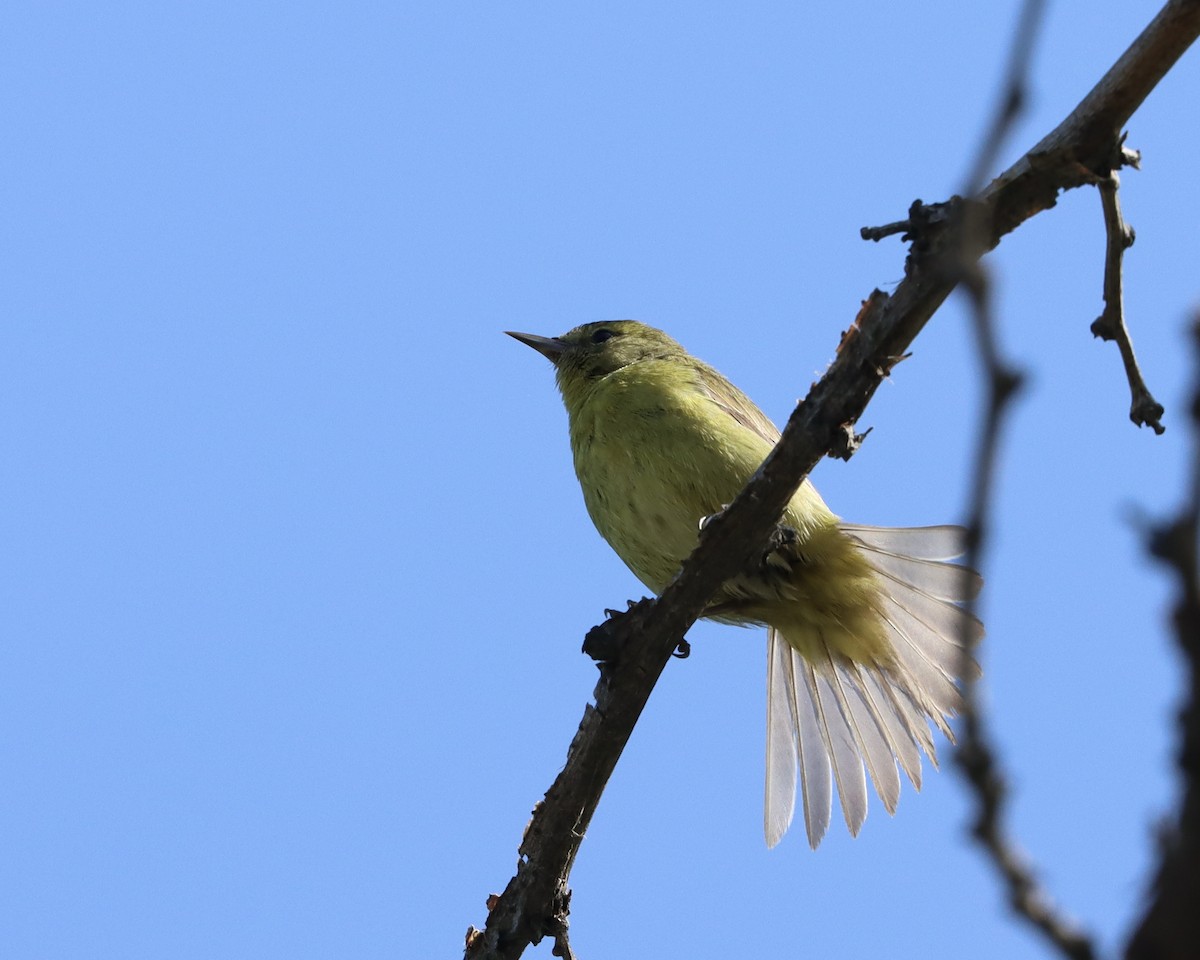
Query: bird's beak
[[549, 347]]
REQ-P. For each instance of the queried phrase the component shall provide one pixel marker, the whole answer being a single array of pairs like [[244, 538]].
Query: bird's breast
[[652, 465]]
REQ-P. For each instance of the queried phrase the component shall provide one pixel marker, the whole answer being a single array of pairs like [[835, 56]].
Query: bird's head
[[594, 350]]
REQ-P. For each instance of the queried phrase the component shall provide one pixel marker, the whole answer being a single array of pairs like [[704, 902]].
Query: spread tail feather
[[832, 715]]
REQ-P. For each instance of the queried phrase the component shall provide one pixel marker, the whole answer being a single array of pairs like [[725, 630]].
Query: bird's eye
[[601, 335]]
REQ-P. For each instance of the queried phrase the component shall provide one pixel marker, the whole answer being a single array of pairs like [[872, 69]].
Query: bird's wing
[[735, 403]]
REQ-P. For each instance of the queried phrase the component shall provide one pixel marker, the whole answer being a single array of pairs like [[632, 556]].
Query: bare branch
[[1110, 325], [558, 930], [1069, 156], [887, 230], [1014, 94], [976, 756], [1080, 149], [1170, 929]]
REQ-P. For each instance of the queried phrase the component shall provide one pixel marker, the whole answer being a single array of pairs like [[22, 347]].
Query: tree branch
[[976, 756], [1071, 155], [1110, 325], [1170, 929]]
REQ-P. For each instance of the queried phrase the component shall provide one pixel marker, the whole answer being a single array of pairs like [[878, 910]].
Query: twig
[[1013, 96], [559, 926], [921, 217], [1144, 410], [1170, 929], [523, 913], [976, 756], [887, 230]]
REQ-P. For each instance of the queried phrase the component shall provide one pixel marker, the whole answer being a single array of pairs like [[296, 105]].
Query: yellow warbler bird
[[863, 629]]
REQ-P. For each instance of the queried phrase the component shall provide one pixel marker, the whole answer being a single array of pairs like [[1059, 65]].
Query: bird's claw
[[705, 521], [604, 641], [781, 538], [609, 612]]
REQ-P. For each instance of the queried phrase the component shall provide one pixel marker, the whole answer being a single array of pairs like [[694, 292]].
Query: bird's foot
[[784, 551], [705, 521], [781, 538], [603, 643]]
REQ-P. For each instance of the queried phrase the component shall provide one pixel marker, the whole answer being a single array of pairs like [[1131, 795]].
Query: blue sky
[[296, 567]]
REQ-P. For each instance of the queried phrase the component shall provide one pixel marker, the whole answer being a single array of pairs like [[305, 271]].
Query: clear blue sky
[[295, 566]]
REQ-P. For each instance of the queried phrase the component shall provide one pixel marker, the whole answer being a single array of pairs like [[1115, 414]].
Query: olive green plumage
[[863, 630]]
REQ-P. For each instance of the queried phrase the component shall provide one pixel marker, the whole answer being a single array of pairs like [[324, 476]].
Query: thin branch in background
[[1170, 928], [976, 756], [1013, 97], [1144, 410]]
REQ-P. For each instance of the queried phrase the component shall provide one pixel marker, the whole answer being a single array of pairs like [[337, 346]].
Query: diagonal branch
[[1074, 153]]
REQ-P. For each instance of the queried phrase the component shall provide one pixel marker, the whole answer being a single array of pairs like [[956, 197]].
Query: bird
[[865, 624]]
